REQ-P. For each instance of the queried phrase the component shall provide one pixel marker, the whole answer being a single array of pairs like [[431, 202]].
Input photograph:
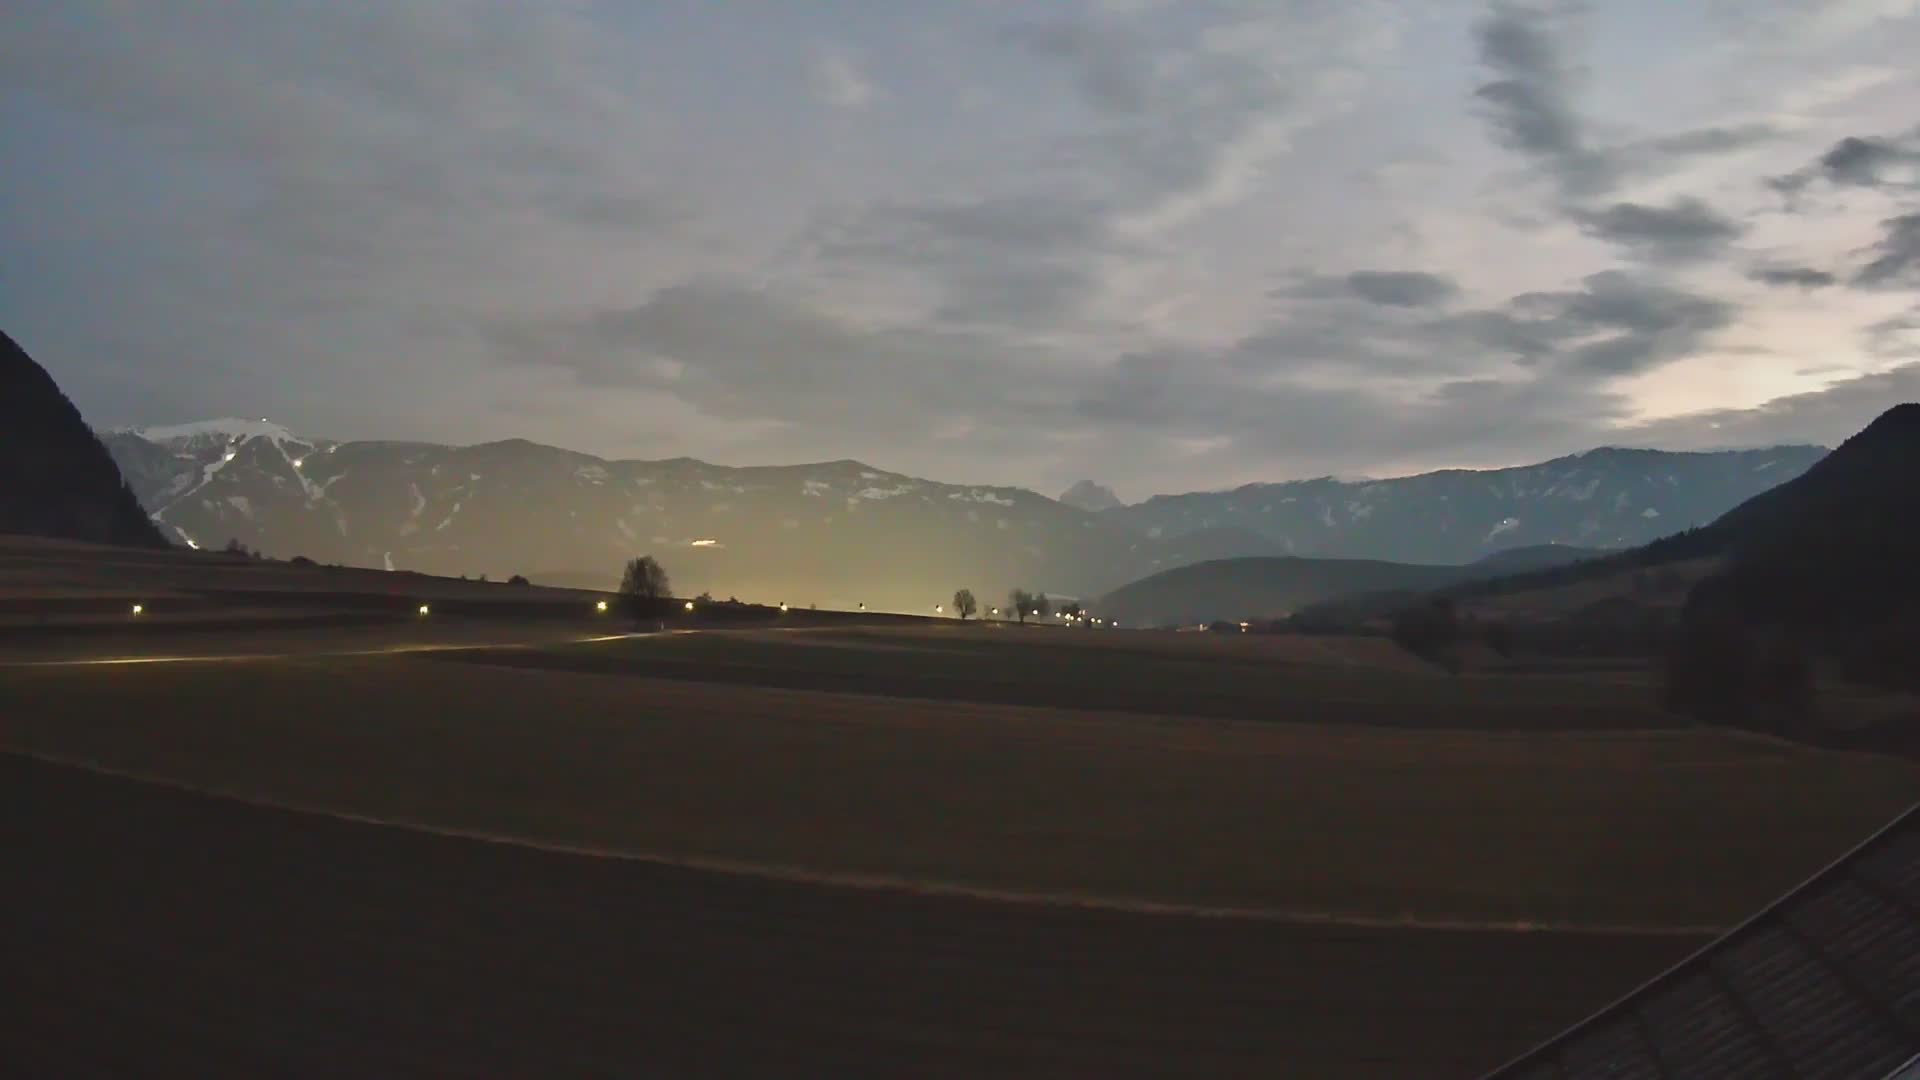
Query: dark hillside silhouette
[[56, 479], [1833, 557]]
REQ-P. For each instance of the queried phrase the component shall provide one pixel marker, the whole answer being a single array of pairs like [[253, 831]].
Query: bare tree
[[644, 581], [1021, 601], [964, 604], [1042, 607]]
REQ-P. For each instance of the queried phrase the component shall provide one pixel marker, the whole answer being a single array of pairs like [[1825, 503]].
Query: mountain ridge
[[834, 532]]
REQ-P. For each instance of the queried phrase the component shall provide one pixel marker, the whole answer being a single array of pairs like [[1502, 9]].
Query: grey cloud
[[1870, 161], [1007, 261], [1897, 256], [1894, 338], [1716, 140], [1170, 111], [1531, 109], [1685, 230], [1315, 426], [1530, 103], [1394, 288], [1798, 277], [1615, 324], [1112, 63], [1402, 288], [744, 354]]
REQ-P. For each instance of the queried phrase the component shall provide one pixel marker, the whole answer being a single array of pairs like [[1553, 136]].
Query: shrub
[[1429, 631]]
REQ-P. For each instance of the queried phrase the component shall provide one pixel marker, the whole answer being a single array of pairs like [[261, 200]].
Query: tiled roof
[[1823, 984]]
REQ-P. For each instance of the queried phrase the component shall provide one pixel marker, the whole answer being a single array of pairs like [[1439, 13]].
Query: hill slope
[[1840, 546], [1249, 588], [56, 479]]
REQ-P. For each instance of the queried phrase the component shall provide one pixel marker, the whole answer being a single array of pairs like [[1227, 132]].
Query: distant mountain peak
[[1091, 497], [231, 428]]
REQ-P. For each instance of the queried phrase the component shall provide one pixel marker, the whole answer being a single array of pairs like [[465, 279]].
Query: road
[[151, 931]]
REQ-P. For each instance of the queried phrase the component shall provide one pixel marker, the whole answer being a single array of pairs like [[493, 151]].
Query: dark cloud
[[1615, 324], [1685, 230], [1394, 288], [1797, 277], [1531, 109], [1402, 288], [1896, 260], [1870, 161], [1715, 140], [1530, 102]]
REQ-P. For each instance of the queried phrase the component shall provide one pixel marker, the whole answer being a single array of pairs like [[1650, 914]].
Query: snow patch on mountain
[[876, 494], [230, 428]]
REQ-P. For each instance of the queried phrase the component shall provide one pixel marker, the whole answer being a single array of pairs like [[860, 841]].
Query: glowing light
[[937, 609], [705, 543], [425, 610], [689, 605], [600, 606], [298, 461], [230, 455], [783, 607], [139, 609]]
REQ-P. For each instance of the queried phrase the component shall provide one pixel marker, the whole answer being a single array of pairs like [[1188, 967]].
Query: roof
[[1824, 983]]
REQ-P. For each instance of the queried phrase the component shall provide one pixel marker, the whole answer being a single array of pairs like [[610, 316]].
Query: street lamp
[[689, 605], [938, 609], [425, 610], [600, 606], [138, 609]]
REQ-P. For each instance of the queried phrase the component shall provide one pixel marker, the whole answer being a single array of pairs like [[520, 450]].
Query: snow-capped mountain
[[834, 533], [1091, 497], [840, 533], [1607, 498]]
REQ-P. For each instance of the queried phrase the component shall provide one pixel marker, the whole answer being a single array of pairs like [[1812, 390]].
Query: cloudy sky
[[1163, 245]]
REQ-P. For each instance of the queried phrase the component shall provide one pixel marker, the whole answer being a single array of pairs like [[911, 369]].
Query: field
[[964, 848]]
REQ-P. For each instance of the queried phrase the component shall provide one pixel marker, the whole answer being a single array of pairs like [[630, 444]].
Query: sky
[[1166, 246]]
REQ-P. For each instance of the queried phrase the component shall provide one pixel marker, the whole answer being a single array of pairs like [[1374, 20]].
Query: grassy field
[[151, 932], [1269, 781], [1251, 677]]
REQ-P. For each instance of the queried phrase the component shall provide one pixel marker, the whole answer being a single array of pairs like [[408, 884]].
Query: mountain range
[[844, 533], [1605, 498]]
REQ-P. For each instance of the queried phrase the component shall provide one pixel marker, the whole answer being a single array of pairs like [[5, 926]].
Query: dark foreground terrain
[[152, 931]]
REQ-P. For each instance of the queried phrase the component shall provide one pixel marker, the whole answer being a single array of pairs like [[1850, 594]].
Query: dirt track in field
[[156, 932]]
